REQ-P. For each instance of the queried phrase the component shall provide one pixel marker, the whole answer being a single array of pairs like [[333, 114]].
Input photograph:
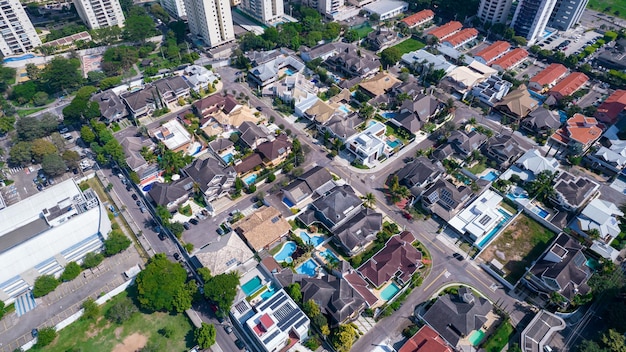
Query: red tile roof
[[446, 30], [266, 320], [398, 255], [511, 59], [360, 285], [419, 18], [425, 340], [462, 36], [549, 75], [491, 52], [612, 107], [581, 129], [569, 84]]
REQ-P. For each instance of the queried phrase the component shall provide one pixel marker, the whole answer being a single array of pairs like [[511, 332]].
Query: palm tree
[[541, 187], [594, 234], [369, 199]]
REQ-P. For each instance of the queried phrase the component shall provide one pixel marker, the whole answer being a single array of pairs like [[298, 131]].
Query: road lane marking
[[435, 280], [477, 279]]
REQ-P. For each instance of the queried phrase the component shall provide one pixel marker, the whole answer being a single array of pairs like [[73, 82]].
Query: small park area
[[409, 45], [610, 7]]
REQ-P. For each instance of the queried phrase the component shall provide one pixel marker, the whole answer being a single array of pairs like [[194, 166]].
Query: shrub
[[121, 310], [46, 336], [72, 270], [116, 243], [44, 285], [271, 178], [92, 260], [91, 309]]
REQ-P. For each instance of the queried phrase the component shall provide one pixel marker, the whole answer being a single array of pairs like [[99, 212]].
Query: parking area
[[571, 41], [594, 98], [530, 70]]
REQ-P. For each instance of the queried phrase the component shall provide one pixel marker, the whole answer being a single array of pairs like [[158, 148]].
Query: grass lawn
[[499, 339], [478, 168], [520, 243], [105, 336], [364, 30], [615, 5], [409, 45], [26, 112]]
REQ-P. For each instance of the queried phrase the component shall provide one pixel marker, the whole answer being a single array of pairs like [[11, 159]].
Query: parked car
[[134, 196], [138, 203], [161, 236], [458, 256], [193, 221], [228, 329], [240, 345], [186, 225], [220, 231], [34, 333], [176, 256]]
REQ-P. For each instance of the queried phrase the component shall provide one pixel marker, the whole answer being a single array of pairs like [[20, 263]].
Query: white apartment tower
[[531, 18], [494, 11], [175, 8], [266, 11], [210, 20], [329, 6], [100, 13], [17, 33], [567, 13]]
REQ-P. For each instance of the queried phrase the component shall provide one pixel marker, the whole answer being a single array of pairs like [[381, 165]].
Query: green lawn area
[[478, 168], [618, 6], [409, 45], [521, 243], [104, 335], [26, 112], [500, 338], [364, 30]]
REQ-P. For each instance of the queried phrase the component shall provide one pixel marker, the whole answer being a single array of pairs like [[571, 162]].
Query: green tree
[[138, 26], [614, 341], [20, 154], [204, 273], [590, 346], [7, 77], [71, 271], [7, 124], [53, 165], [116, 243], [61, 74], [390, 56], [222, 289], [44, 284], [159, 282], [311, 308], [295, 292], [369, 199], [92, 260], [121, 310], [184, 296], [343, 338], [24, 92], [40, 148], [40, 98], [541, 187], [71, 158], [2, 309], [351, 36], [91, 309], [46, 336], [205, 335]]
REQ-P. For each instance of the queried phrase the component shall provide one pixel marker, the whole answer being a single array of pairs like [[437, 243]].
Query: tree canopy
[[138, 25], [205, 335], [53, 165], [222, 290], [390, 56], [116, 243], [159, 282], [61, 74]]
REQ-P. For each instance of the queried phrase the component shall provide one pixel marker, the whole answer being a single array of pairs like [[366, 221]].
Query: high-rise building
[[100, 13], [266, 11], [16, 31], [494, 11], [531, 18], [210, 20], [176, 8], [567, 13], [327, 7]]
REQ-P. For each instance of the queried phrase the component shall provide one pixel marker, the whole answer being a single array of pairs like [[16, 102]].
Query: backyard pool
[[476, 337], [514, 196], [147, 187], [227, 158], [389, 291], [268, 293], [505, 219], [540, 211], [252, 286], [344, 109], [308, 268], [19, 58], [492, 175], [250, 179], [290, 72], [388, 115], [393, 144], [329, 255], [285, 252], [314, 241]]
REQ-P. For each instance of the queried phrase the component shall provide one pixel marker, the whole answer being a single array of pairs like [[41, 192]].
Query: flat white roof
[[480, 216], [384, 6], [175, 134]]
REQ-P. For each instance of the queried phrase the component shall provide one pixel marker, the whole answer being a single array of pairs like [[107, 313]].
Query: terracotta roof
[[511, 58], [549, 75], [612, 107], [358, 283], [580, 128], [263, 228], [569, 84], [379, 84], [249, 163], [491, 52], [419, 18], [398, 255], [462, 36], [425, 340], [446, 30]]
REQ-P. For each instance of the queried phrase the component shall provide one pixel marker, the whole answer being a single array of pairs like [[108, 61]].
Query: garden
[[409, 45]]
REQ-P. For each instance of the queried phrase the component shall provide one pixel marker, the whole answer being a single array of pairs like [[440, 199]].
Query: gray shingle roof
[[203, 171], [419, 171], [336, 205], [111, 106], [251, 133], [164, 193], [359, 230], [335, 297]]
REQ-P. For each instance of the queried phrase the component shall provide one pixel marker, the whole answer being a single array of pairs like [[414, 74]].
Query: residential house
[[271, 71], [221, 146], [480, 219], [276, 151], [541, 121], [381, 39], [465, 143], [174, 136], [462, 79], [379, 84], [578, 133], [568, 85], [418, 19], [503, 149], [611, 154], [156, 95], [358, 283], [132, 149], [397, 260], [213, 179], [200, 77], [461, 38], [492, 90], [419, 174], [359, 231], [334, 208], [322, 51], [445, 30], [420, 57], [547, 78], [351, 61], [425, 340], [315, 181], [492, 52], [320, 112], [572, 192], [253, 135], [212, 105], [297, 90], [171, 195], [224, 255], [517, 104], [602, 216], [510, 60], [341, 127], [112, 108], [561, 269], [413, 114], [262, 228], [538, 333], [260, 57], [456, 316], [335, 298], [368, 145], [613, 107], [531, 164], [445, 199], [248, 165]]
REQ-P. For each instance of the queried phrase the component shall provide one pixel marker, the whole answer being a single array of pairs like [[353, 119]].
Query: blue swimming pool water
[[252, 286], [308, 268], [19, 58], [505, 219], [227, 158], [250, 179], [390, 291], [492, 175], [393, 144], [344, 109], [314, 241], [287, 202], [371, 123], [329, 254], [562, 116], [290, 72], [147, 187], [513, 196], [197, 150], [540, 211], [388, 115], [268, 293], [285, 252]]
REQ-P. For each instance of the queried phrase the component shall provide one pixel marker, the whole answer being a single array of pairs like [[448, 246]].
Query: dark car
[[186, 225], [176, 256], [458, 256], [193, 221], [220, 231], [260, 108], [134, 196], [128, 188], [138, 203], [240, 345], [34, 332], [39, 187], [161, 236]]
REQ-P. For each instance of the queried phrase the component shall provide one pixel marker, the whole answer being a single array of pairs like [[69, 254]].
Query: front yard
[[409, 45], [518, 245]]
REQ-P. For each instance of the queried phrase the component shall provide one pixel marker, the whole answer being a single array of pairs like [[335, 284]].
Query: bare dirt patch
[[131, 343], [118, 332], [95, 330]]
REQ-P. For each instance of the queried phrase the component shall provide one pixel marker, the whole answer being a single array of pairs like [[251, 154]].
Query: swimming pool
[[514, 196], [389, 291], [476, 337], [393, 144], [371, 123], [19, 58], [505, 219], [290, 72], [268, 293], [344, 109], [147, 187], [227, 158], [329, 255], [252, 286], [198, 149], [492, 175], [308, 268], [540, 211], [314, 241], [388, 115], [285, 252], [250, 179]]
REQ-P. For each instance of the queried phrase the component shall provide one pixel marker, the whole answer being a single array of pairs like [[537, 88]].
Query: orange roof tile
[[612, 107], [419, 18], [580, 128], [462, 36], [549, 75], [446, 30], [569, 84], [425, 340], [511, 59], [491, 52]]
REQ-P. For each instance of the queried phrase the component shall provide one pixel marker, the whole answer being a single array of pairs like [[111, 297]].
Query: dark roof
[[398, 257], [309, 182], [419, 171], [443, 152], [251, 132], [456, 316], [343, 127], [111, 106], [286, 277], [132, 148], [445, 198], [165, 193], [360, 230], [335, 205], [575, 190], [276, 148], [424, 106], [335, 297], [504, 144], [217, 102], [409, 120], [464, 143], [220, 144], [542, 119], [139, 99], [205, 170], [248, 163], [358, 283]]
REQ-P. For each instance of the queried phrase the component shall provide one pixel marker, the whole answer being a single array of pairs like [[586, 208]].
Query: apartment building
[[17, 34], [494, 11], [175, 8], [567, 13], [210, 21], [100, 13], [266, 11], [531, 18]]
